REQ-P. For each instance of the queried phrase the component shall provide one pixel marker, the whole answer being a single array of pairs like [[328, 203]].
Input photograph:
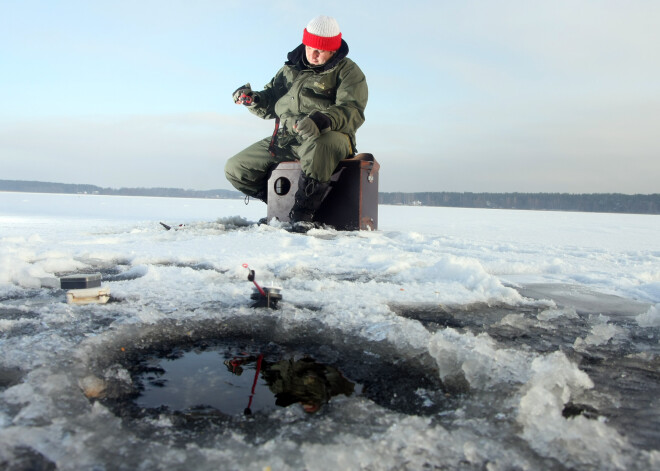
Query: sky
[[478, 96]]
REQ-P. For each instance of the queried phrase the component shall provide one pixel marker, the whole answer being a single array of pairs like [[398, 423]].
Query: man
[[317, 99]]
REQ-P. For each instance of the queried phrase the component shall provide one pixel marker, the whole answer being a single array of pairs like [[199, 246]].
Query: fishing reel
[[266, 296], [245, 99]]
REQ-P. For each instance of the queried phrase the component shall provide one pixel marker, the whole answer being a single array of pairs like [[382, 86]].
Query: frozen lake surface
[[471, 339]]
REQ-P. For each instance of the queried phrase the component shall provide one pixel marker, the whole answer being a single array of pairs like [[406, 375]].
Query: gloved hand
[[313, 126], [245, 96]]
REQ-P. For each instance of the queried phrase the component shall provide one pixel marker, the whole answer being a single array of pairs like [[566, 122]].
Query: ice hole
[[250, 372]]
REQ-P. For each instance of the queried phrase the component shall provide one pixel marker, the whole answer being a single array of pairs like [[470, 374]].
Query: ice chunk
[[478, 358], [650, 318], [577, 440], [601, 333], [551, 314]]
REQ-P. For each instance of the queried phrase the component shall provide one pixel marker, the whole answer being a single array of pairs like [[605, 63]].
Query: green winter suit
[[338, 89]]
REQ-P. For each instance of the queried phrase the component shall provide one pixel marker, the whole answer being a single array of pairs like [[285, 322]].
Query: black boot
[[308, 198]]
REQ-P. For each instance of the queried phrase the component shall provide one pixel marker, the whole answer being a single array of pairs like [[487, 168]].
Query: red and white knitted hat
[[322, 33]]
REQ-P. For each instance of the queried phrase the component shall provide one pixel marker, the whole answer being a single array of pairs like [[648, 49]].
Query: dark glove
[[245, 96], [313, 126]]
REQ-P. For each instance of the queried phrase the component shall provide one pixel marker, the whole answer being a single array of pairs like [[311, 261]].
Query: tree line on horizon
[[591, 202], [587, 202], [73, 188]]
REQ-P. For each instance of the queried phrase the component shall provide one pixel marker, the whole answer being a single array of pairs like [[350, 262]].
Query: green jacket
[[337, 89]]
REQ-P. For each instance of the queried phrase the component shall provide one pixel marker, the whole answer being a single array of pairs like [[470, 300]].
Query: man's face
[[316, 56]]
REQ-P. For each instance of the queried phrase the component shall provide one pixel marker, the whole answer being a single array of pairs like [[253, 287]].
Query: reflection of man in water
[[305, 381]]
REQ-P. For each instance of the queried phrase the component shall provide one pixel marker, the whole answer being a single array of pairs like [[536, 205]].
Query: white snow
[[344, 281]]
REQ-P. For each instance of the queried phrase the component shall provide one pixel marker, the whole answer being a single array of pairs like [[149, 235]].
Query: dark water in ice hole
[[235, 381], [219, 379]]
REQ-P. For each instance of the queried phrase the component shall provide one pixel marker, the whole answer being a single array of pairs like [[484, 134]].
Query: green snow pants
[[248, 171]]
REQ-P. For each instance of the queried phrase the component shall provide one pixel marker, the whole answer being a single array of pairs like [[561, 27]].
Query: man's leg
[[318, 159], [248, 170]]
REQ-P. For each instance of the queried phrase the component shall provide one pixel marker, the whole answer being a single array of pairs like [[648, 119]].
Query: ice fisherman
[[318, 100]]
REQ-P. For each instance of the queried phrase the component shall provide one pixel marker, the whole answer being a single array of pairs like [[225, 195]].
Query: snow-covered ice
[[537, 333]]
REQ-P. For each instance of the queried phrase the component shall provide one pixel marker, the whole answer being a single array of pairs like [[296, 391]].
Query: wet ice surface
[[477, 339]]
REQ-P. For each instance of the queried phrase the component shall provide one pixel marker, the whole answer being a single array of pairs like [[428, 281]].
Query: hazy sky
[[482, 96]]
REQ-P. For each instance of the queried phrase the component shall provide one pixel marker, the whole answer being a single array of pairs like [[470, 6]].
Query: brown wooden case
[[352, 203]]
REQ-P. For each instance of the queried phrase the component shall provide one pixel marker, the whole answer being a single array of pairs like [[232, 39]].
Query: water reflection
[[291, 381], [249, 382]]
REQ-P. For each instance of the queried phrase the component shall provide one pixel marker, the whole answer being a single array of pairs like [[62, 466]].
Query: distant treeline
[[595, 202], [49, 187]]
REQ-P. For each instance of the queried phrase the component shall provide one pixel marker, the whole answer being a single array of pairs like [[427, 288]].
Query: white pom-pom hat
[[322, 33]]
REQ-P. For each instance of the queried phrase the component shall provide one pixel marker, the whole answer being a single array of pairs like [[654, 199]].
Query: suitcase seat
[[352, 203]]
